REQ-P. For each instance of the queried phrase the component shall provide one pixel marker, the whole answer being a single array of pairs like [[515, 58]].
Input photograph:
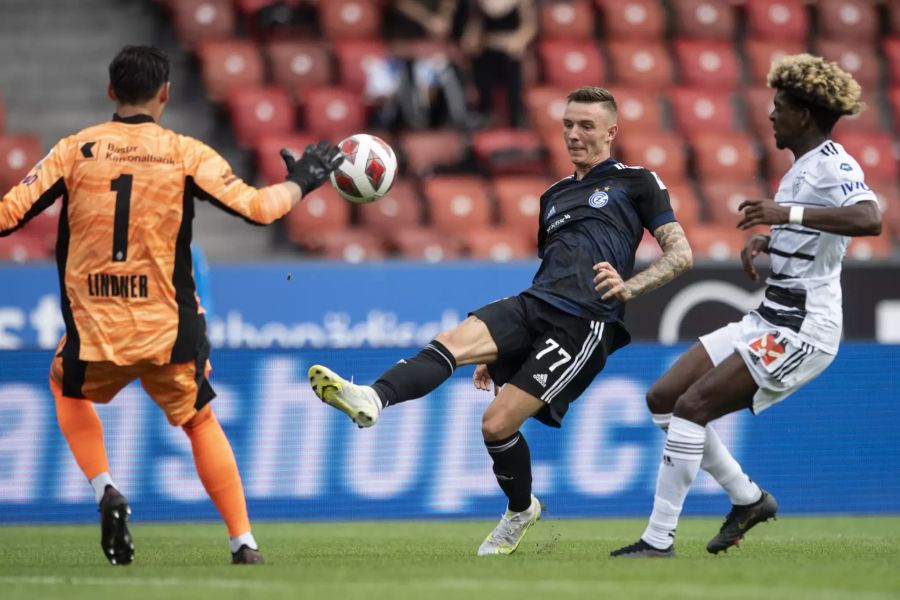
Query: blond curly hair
[[817, 82]]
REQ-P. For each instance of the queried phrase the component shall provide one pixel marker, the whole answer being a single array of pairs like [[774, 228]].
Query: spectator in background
[[496, 37], [418, 86]]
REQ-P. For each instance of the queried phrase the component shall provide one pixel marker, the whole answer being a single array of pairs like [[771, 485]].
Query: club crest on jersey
[[846, 167], [796, 187], [598, 199], [767, 348]]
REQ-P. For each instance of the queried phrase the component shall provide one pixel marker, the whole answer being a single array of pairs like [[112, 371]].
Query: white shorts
[[778, 360]]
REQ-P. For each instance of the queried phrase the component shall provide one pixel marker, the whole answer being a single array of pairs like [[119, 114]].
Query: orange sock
[[218, 470], [83, 431]]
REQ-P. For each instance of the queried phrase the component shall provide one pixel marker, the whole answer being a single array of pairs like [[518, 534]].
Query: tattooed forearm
[[675, 260]]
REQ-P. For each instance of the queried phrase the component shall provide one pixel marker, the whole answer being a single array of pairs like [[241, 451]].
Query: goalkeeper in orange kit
[[127, 289]]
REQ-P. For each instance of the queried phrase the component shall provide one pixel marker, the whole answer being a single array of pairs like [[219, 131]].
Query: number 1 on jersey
[[122, 187]]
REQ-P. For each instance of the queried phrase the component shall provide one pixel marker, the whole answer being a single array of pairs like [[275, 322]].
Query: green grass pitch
[[793, 558]]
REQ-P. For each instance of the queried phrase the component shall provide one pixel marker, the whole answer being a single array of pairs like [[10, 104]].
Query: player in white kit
[[794, 334]]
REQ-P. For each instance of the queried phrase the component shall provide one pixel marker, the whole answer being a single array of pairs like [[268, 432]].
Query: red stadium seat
[[777, 19], [891, 48], [353, 58], [332, 112], [399, 209], [348, 245], [321, 210], [546, 106], [716, 242], [661, 152], [640, 65], [426, 244], [295, 64], [227, 64], [893, 20], [847, 20], [889, 201], [724, 197], [632, 19], [519, 201], [648, 249], [703, 19], [639, 111], [566, 20], [256, 111], [724, 157], [509, 151], [696, 110], [427, 151], [858, 59], [685, 204], [894, 102], [500, 245], [21, 248], [762, 54], [350, 19], [457, 203], [269, 163], [571, 63], [874, 152], [18, 154], [759, 102], [870, 248], [198, 20], [708, 64]]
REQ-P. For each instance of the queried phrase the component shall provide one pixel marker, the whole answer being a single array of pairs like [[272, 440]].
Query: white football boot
[[505, 537], [359, 402]]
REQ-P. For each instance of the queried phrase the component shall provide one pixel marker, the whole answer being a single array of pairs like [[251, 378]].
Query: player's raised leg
[[467, 343], [512, 466]]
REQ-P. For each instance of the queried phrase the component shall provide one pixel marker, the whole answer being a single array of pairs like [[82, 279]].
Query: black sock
[[512, 466], [416, 376]]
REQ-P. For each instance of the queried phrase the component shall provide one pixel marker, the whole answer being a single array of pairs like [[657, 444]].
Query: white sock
[[662, 421], [240, 540], [718, 462], [681, 461], [371, 393], [99, 484]]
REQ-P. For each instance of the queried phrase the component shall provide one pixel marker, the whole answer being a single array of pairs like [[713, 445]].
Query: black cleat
[[115, 539], [641, 549], [246, 556], [740, 520]]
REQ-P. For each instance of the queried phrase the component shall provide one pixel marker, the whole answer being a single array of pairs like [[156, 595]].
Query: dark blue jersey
[[601, 217]]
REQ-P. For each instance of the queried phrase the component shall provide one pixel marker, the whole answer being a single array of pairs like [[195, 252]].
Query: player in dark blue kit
[[546, 345]]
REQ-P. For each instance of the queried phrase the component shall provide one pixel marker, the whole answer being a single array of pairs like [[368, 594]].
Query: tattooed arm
[[675, 260]]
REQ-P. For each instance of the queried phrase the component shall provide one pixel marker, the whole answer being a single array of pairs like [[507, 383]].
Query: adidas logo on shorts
[[541, 378]]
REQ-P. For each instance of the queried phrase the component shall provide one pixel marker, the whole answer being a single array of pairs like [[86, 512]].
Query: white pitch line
[[142, 581]]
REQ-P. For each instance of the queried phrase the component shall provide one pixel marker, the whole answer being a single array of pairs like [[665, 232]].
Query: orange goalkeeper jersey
[[123, 248]]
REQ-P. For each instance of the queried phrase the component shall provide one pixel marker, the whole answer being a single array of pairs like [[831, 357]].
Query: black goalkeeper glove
[[314, 166]]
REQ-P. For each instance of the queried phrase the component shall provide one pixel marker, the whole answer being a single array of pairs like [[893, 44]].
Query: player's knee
[[692, 406], [494, 427], [660, 401], [204, 415]]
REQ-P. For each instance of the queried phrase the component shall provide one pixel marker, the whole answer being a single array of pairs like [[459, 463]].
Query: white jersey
[[804, 291]]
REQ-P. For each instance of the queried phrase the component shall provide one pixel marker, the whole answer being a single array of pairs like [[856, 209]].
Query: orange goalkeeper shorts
[[179, 389]]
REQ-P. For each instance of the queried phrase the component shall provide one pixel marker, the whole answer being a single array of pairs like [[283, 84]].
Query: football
[[368, 170]]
